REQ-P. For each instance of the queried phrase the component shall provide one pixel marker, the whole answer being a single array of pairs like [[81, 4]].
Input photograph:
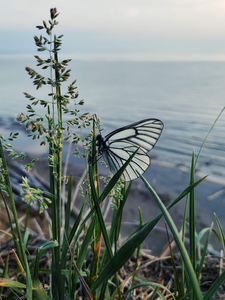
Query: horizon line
[[129, 57]]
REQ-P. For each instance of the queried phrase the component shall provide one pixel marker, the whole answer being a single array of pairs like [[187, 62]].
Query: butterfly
[[139, 138]]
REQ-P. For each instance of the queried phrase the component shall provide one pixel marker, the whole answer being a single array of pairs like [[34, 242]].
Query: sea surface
[[186, 96]]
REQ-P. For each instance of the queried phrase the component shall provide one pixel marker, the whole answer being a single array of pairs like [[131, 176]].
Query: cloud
[[143, 16], [146, 24]]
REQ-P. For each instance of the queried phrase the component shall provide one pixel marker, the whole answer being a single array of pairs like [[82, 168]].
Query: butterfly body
[[139, 137], [100, 143]]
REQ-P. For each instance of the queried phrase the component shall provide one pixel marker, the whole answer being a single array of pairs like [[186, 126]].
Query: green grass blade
[[178, 240], [204, 251], [192, 216], [114, 233], [40, 252], [208, 133], [214, 287], [84, 248], [183, 236], [108, 188], [153, 285], [68, 206], [139, 247], [154, 293], [98, 211], [39, 293], [5, 282], [116, 221], [85, 286], [68, 240], [29, 284], [126, 251], [17, 235], [221, 232], [120, 212]]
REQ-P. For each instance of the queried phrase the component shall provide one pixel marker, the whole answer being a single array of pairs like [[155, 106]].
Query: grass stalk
[[97, 208], [208, 134], [188, 264], [59, 144], [95, 191], [18, 239], [126, 251], [192, 216]]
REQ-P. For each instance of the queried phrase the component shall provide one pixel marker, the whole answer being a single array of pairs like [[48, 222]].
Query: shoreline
[[168, 182], [168, 179]]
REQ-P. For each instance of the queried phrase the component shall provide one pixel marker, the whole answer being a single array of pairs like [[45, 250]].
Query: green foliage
[[85, 257], [34, 196]]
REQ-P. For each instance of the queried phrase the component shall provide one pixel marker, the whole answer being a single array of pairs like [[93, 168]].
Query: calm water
[[186, 96]]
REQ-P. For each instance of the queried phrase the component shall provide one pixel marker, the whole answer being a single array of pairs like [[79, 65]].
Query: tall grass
[[85, 256]]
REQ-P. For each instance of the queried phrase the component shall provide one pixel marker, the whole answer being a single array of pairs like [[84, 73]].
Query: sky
[[127, 29]]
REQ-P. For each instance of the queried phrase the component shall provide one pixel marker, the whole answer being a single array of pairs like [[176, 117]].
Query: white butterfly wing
[[123, 142], [117, 157]]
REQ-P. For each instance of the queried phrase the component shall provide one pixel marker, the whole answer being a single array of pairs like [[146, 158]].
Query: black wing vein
[[139, 137]]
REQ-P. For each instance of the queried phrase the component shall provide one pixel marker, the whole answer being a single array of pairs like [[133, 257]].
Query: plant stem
[[15, 230], [59, 143], [55, 150]]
